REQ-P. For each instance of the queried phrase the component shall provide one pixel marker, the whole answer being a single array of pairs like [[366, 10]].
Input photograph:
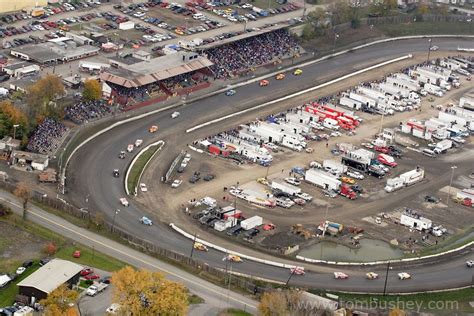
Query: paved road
[[215, 297], [90, 171]]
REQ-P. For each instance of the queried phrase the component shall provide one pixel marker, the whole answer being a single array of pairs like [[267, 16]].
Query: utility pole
[[336, 36], [194, 243], [235, 198], [386, 279], [14, 130], [429, 50], [291, 275], [450, 184]]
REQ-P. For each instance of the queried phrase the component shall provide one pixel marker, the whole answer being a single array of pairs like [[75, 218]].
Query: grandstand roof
[[157, 69], [243, 36]]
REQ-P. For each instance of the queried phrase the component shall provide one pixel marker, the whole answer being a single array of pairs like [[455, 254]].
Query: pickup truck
[[96, 288]]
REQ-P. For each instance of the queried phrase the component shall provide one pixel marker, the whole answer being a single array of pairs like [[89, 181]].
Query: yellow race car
[[263, 181], [200, 247], [233, 258], [280, 76], [348, 180], [297, 72]]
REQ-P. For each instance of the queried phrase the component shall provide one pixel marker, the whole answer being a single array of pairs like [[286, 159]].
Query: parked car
[[86, 271], [293, 181], [176, 183], [431, 199], [92, 276], [27, 264], [20, 270]]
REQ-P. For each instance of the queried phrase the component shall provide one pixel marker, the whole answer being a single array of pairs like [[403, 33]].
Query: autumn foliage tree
[[92, 90], [286, 303], [23, 192], [42, 95], [11, 115], [59, 301], [273, 304], [142, 292], [50, 248]]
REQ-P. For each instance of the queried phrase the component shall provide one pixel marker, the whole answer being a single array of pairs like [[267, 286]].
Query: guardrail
[[161, 143], [284, 265]]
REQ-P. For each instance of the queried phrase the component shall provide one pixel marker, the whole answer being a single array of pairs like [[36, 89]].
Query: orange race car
[[280, 76]]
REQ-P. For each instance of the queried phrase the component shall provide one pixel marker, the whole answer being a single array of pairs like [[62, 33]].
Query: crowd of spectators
[[88, 110], [237, 57], [47, 137]]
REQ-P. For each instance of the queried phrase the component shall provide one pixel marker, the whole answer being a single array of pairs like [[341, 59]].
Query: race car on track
[[153, 129], [233, 258], [124, 201], [175, 114], [404, 276], [230, 93], [297, 72], [280, 76], [340, 275], [200, 247], [264, 83], [297, 270], [372, 275]]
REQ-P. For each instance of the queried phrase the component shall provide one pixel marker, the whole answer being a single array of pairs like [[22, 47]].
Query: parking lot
[[364, 214]]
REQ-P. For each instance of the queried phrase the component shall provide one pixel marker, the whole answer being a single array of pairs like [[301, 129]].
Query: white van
[[429, 153]]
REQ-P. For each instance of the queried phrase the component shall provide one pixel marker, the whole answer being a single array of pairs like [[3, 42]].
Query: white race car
[[372, 275], [297, 270], [175, 115], [340, 275], [404, 276], [124, 201]]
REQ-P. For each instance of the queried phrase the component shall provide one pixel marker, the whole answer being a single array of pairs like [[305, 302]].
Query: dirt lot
[[357, 213]]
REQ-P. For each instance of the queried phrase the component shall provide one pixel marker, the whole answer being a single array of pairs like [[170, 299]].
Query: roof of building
[[24, 82], [23, 64], [51, 275], [150, 71], [34, 157], [49, 51], [242, 36]]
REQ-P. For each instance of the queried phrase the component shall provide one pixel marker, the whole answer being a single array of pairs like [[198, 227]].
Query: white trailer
[[450, 64], [302, 117], [396, 92], [295, 128], [364, 100], [372, 93], [452, 118], [362, 155], [334, 166], [285, 187], [267, 132], [413, 176], [443, 146], [410, 83], [224, 224], [251, 222], [322, 179], [331, 123], [433, 89], [350, 103], [399, 82], [415, 221]]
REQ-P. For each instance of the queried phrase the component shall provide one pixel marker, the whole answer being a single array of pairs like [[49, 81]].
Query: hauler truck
[[322, 179], [285, 187], [443, 146]]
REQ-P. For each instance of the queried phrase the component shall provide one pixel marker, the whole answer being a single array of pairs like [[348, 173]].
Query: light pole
[[113, 220], [381, 121], [14, 130], [235, 198], [336, 36], [429, 50], [386, 279], [450, 183], [194, 243]]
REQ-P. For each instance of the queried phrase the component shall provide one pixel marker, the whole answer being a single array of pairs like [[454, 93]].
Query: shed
[[49, 277], [37, 161]]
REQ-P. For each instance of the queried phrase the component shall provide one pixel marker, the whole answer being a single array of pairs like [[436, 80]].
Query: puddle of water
[[370, 250]]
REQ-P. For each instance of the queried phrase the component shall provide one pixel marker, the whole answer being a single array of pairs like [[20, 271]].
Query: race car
[[233, 258], [138, 142], [200, 247], [145, 221], [372, 275], [175, 114], [470, 263], [124, 201], [263, 181], [230, 93], [297, 270], [340, 275], [297, 72], [268, 227], [280, 76], [130, 148], [264, 83], [347, 180], [153, 129], [404, 276]]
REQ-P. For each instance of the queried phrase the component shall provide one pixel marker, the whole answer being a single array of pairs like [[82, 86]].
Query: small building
[[7, 143], [18, 5], [49, 277], [79, 39], [22, 84], [142, 55], [414, 220], [36, 161], [21, 69]]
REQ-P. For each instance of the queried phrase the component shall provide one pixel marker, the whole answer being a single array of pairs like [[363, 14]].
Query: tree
[[10, 116], [92, 90], [422, 8], [308, 32], [50, 248], [58, 301], [23, 192], [42, 95], [341, 12], [273, 304], [142, 292]]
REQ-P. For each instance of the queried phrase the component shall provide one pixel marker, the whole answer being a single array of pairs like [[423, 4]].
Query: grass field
[[137, 168], [89, 257], [234, 312], [426, 28]]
